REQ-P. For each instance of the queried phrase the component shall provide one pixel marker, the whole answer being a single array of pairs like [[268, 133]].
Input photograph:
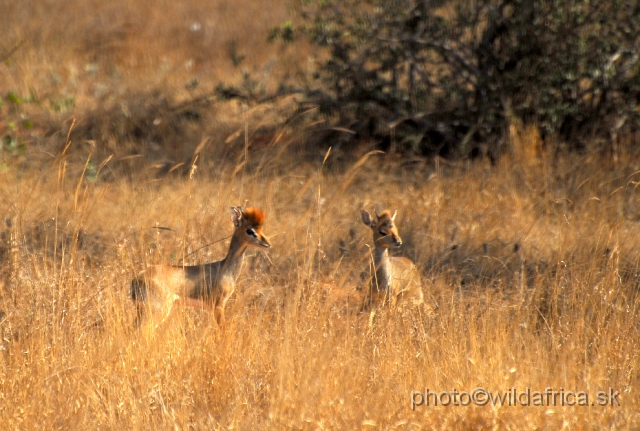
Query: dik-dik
[[205, 286], [396, 280]]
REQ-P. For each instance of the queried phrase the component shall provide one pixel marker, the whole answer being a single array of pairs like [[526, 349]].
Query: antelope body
[[206, 286], [396, 280]]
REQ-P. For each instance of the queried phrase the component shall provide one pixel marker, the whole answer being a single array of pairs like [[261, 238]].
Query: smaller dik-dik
[[396, 280], [208, 285]]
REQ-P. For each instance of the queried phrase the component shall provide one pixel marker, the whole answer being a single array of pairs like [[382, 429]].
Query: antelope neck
[[383, 276], [233, 261]]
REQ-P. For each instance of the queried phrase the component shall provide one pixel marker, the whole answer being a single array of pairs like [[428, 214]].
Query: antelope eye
[[381, 232], [252, 233]]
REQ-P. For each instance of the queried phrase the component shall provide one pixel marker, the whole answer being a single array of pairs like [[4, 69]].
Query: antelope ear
[[393, 217], [236, 216], [366, 219]]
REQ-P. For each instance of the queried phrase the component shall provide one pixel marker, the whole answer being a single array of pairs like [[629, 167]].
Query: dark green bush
[[445, 74]]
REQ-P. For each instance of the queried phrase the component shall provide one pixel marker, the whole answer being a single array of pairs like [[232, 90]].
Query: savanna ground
[[530, 265]]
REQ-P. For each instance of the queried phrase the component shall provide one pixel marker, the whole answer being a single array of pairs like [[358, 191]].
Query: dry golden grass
[[559, 310], [123, 67], [530, 267], [88, 48]]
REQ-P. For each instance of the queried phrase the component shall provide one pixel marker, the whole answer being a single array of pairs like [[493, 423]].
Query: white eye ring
[[251, 232]]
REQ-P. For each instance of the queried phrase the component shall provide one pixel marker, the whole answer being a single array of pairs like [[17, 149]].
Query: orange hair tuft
[[255, 216]]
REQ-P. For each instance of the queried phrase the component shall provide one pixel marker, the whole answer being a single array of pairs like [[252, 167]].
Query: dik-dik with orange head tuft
[[396, 280], [206, 286]]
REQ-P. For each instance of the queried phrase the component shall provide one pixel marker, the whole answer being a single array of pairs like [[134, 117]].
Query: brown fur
[[209, 285], [395, 280]]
